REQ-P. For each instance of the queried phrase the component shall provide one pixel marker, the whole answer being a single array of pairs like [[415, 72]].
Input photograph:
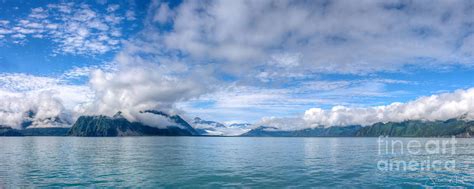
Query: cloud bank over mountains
[[458, 104], [132, 89], [137, 85], [246, 59], [43, 101], [130, 83], [431, 108], [129, 88]]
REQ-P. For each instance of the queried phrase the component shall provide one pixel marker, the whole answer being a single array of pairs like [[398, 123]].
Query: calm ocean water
[[217, 162]]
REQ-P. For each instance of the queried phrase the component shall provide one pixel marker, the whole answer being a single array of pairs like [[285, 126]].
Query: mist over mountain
[[41, 109], [120, 126], [413, 128], [205, 127], [439, 107]]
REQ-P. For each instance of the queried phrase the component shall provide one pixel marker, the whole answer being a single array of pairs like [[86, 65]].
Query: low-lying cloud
[[35, 109], [131, 87], [458, 104], [37, 101]]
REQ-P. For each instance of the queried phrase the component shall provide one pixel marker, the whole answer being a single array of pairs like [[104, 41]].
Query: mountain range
[[175, 125], [119, 126], [204, 127], [53, 131], [413, 128], [417, 128], [265, 131]]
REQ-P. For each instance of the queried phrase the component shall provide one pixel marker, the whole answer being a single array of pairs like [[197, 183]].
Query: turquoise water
[[217, 162]]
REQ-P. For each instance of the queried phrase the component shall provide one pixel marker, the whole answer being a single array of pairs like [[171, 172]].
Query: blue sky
[[232, 60], [43, 55]]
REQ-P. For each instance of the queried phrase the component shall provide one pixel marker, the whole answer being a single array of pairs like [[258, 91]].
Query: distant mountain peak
[[118, 115], [107, 126]]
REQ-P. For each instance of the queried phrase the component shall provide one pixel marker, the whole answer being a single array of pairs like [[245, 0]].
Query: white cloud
[[430, 108], [233, 101], [80, 72], [14, 108], [112, 8], [150, 119], [328, 36], [50, 101], [130, 15], [138, 83], [139, 88], [163, 14], [75, 28], [286, 60], [282, 123], [131, 85], [24, 82]]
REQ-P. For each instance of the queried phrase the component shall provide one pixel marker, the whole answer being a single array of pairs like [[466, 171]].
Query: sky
[[285, 63]]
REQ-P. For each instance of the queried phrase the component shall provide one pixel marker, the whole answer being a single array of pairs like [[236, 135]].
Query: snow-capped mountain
[[205, 127]]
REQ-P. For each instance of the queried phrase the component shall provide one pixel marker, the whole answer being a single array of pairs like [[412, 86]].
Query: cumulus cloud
[[138, 83], [16, 109], [444, 106], [131, 85], [323, 36], [33, 101], [140, 88]]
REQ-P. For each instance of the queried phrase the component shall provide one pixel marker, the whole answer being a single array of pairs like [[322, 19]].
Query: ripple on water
[[214, 162]]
